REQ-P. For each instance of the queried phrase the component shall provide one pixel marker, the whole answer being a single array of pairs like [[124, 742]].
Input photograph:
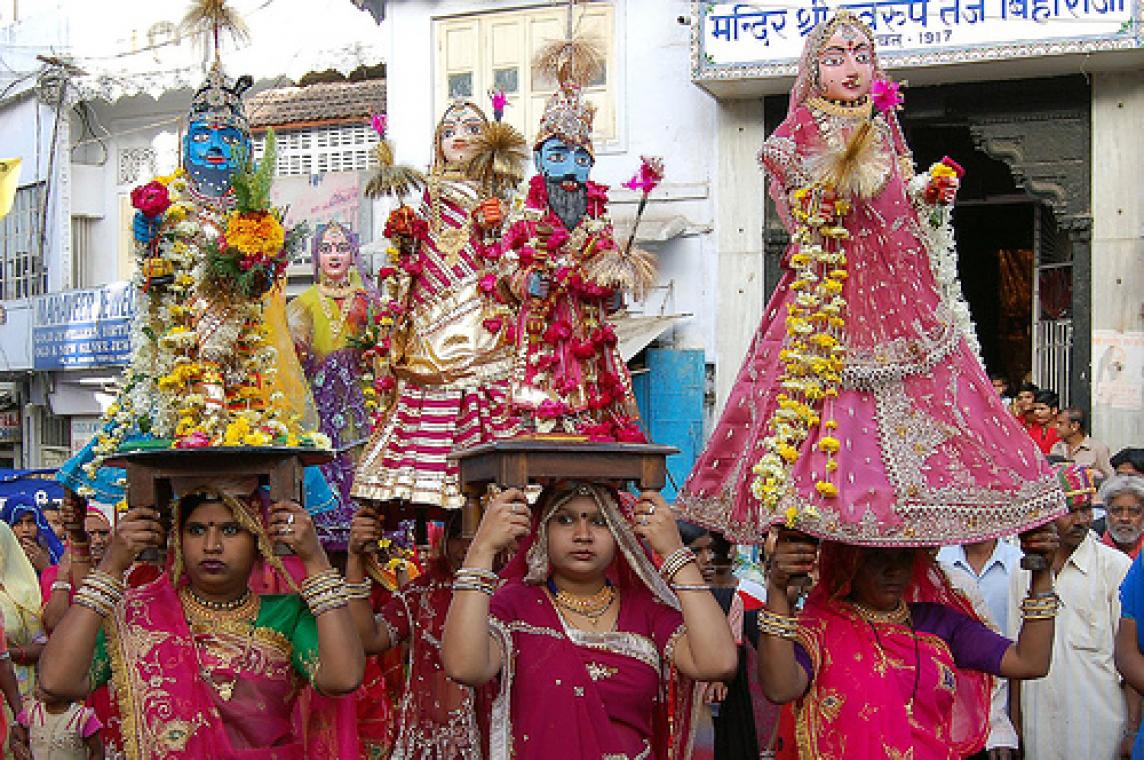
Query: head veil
[[246, 501], [358, 272], [631, 569], [21, 504], [839, 563]]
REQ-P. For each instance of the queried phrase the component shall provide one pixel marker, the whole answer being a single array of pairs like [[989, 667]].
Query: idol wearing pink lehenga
[[926, 453]]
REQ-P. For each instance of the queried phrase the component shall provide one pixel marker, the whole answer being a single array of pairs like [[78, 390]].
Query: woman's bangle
[[476, 573], [774, 624], [1043, 606], [360, 590], [61, 586], [690, 587], [675, 561], [488, 589]]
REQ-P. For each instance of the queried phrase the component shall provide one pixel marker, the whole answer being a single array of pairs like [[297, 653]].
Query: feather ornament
[[500, 157], [633, 270], [579, 59], [858, 169], [215, 17]]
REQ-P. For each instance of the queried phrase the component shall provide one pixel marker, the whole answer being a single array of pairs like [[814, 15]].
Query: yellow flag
[[9, 177]]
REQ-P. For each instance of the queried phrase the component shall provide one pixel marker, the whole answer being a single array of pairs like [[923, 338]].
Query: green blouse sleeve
[[288, 615], [100, 672]]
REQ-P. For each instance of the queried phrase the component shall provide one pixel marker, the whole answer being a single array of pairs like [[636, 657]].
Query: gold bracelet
[[774, 624], [360, 590], [675, 562], [478, 573]]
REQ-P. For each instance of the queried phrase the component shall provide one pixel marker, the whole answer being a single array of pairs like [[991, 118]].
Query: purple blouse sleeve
[[973, 644], [803, 659]]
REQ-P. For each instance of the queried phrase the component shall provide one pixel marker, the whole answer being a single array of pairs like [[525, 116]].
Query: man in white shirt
[[988, 565], [1078, 709]]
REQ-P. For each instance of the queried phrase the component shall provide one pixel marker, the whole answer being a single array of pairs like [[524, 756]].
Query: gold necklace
[[210, 616], [900, 615], [592, 607], [337, 322], [857, 110]]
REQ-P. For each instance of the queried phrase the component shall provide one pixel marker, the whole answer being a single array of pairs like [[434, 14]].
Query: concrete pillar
[[1117, 254], [739, 198]]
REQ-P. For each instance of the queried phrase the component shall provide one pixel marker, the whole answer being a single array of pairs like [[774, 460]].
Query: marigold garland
[[812, 354]]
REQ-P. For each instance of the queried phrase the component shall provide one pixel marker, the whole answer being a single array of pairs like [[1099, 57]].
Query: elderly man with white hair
[[1123, 499], [1127, 492]]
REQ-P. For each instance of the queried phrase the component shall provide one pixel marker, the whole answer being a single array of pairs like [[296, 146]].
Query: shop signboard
[[741, 40], [10, 426], [77, 329]]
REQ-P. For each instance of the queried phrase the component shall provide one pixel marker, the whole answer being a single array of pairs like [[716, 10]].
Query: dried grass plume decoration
[[579, 59], [215, 17], [390, 178], [633, 270], [500, 153], [857, 169]]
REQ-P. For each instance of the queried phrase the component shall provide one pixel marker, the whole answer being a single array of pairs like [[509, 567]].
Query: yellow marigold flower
[[831, 424], [255, 233], [829, 444], [827, 490], [837, 322], [788, 453], [824, 341], [838, 274], [832, 286], [791, 516], [832, 465], [256, 438]]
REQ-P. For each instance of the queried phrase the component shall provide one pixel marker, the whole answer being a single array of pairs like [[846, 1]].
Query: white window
[[22, 270], [479, 53], [322, 150]]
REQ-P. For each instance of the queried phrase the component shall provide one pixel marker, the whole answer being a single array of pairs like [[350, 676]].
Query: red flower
[[630, 432], [558, 238], [384, 384], [195, 440], [605, 335], [885, 94], [597, 198], [958, 169], [537, 192], [151, 199], [386, 272], [557, 331], [493, 324], [487, 283], [412, 266], [550, 409], [583, 349], [650, 174]]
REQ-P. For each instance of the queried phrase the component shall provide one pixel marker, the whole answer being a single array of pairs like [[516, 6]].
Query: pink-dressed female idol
[[862, 413]]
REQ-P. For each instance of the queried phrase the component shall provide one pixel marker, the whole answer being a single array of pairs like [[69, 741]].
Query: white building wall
[[659, 112], [1118, 257]]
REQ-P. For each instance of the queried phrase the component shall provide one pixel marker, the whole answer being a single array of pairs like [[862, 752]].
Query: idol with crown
[[212, 361], [563, 269], [444, 355], [862, 413]]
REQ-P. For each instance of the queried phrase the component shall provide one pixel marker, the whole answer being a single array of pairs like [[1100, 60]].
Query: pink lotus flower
[[378, 121], [650, 174], [886, 95]]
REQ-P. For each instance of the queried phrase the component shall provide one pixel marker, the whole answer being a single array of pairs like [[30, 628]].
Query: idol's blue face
[[212, 152], [558, 161], [215, 145]]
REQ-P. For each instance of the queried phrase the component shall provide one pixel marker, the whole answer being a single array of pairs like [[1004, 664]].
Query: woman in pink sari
[[587, 638], [887, 659], [201, 666]]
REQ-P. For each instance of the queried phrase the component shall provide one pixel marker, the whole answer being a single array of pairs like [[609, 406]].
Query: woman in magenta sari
[[887, 659], [587, 638], [200, 665]]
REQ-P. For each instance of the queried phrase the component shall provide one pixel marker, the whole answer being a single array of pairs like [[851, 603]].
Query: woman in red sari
[[438, 718], [201, 666], [586, 636], [887, 659]]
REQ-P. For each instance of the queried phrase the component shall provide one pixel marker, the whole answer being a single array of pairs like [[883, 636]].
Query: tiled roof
[[329, 101]]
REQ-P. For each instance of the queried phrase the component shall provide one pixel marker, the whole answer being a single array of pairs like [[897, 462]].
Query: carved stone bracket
[[1048, 154]]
